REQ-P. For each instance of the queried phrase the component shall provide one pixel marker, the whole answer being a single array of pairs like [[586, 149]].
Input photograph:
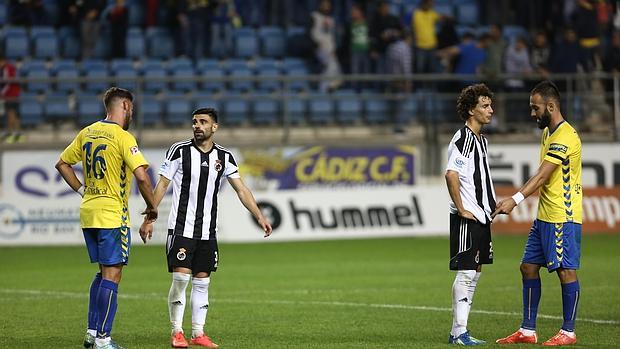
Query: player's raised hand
[[504, 207], [146, 231]]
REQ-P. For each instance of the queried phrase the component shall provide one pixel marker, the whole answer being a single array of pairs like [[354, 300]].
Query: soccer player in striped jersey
[[472, 196], [109, 155], [554, 241], [196, 168]]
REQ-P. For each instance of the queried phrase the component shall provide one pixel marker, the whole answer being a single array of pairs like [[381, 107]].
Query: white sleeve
[[231, 170], [456, 161], [169, 167]]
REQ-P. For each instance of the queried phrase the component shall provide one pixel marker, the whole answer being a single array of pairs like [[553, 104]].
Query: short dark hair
[[547, 90], [113, 93], [208, 111], [468, 99]]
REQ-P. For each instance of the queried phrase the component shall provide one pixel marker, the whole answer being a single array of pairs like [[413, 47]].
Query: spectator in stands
[[399, 62], [117, 16], [566, 55], [89, 26], [9, 95], [359, 43], [224, 19], [323, 33], [541, 53], [588, 32], [199, 17], [471, 55], [493, 66], [383, 25], [517, 62], [424, 22], [612, 56]]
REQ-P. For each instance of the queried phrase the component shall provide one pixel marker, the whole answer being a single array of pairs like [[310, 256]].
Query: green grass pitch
[[381, 293]]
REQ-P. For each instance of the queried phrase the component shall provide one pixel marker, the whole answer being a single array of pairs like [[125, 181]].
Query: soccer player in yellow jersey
[[554, 241], [109, 155]]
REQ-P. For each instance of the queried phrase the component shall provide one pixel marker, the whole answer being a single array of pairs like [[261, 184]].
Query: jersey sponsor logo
[[558, 147], [181, 255], [459, 162], [218, 165], [204, 164], [164, 166], [134, 150]]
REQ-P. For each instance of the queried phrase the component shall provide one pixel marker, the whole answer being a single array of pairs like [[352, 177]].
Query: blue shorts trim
[[108, 246], [554, 245]]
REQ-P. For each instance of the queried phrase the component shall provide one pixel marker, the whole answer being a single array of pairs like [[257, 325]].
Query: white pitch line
[[301, 302]]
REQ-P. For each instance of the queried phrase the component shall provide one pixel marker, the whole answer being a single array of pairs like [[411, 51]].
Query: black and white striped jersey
[[196, 177], [467, 155]]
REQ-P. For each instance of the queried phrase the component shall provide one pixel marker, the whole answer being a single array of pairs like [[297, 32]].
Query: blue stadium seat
[[45, 46], [265, 84], [154, 69], [512, 32], [135, 45], [409, 110], [180, 62], [57, 107], [36, 31], [178, 109], [186, 74], [295, 108], [445, 9], [151, 109], [66, 72], [103, 46], [241, 85], [121, 63], [209, 78], [159, 43], [30, 110], [126, 77], [11, 31], [298, 84], [349, 108], [90, 109], [272, 41], [266, 63], [136, 14], [95, 71], [265, 109], [41, 74], [320, 109], [205, 99], [377, 109], [16, 44], [204, 64], [3, 14], [467, 12], [31, 64], [69, 42], [245, 43], [236, 110], [293, 62]]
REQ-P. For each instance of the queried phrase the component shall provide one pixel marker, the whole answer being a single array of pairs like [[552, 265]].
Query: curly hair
[[468, 99]]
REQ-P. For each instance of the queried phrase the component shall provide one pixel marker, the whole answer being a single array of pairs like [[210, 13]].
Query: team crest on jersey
[[134, 150], [218, 165], [181, 254]]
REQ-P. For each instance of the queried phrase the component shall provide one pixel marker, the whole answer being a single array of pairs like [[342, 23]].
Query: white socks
[[176, 300], [462, 294], [200, 305]]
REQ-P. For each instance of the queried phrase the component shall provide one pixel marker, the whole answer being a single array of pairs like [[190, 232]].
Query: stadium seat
[[245, 43], [235, 109], [31, 64], [265, 110], [293, 62], [186, 75], [298, 84], [89, 109], [135, 45], [266, 84], [178, 109], [57, 107], [272, 41], [205, 99], [153, 69], [96, 72], [136, 13], [103, 46], [204, 64], [212, 79], [126, 77], [467, 12], [266, 63], [180, 62], [377, 109], [63, 72], [349, 108], [40, 74], [41, 30], [150, 109], [320, 109], [3, 14], [445, 9], [159, 43], [121, 63], [409, 110], [512, 32], [30, 110], [294, 109], [241, 85], [16, 44], [45, 46]]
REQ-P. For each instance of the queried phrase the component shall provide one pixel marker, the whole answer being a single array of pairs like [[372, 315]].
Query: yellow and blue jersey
[[109, 155], [560, 198]]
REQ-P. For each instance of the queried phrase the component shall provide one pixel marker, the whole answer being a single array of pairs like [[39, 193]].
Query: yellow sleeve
[[559, 149], [132, 155], [73, 152]]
